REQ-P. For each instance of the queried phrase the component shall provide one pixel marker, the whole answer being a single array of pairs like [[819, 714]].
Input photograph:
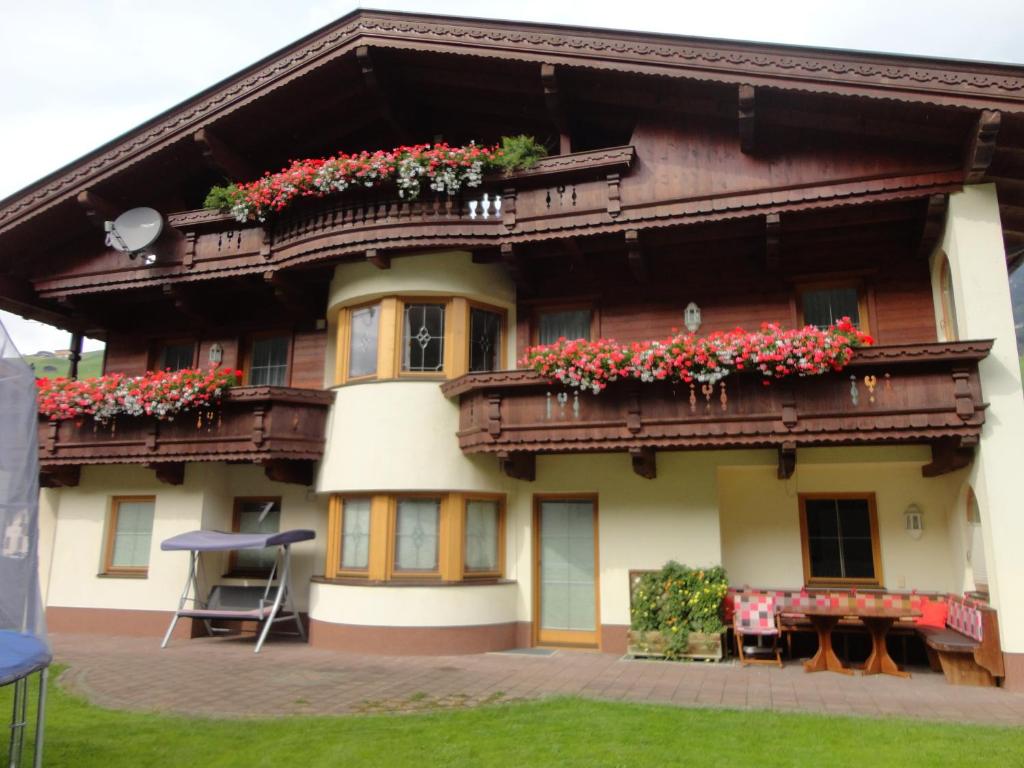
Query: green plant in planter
[[520, 152], [678, 600]]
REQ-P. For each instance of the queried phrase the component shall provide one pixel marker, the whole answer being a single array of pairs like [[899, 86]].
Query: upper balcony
[[912, 393], [281, 428]]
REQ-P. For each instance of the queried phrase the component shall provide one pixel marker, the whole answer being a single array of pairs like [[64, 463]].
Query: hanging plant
[[772, 353], [444, 169], [160, 394]]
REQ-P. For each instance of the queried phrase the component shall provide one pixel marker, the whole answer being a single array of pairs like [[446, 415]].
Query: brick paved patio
[[222, 677]]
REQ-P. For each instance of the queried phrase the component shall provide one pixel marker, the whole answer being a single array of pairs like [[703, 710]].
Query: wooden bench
[[967, 649]]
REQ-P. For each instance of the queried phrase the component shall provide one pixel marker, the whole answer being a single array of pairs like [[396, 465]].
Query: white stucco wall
[[973, 242], [203, 500], [419, 606]]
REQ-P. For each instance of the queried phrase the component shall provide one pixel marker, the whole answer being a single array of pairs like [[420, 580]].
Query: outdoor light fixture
[[914, 521], [216, 354], [691, 317]]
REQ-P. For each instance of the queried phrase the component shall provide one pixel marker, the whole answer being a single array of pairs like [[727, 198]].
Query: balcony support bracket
[[60, 477], [297, 471], [787, 460], [644, 463], [518, 465], [170, 472], [948, 455]]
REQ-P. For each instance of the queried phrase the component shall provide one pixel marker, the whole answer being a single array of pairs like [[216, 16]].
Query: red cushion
[[933, 614]]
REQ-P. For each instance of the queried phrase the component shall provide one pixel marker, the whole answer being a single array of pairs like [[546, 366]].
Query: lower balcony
[[912, 393], [281, 428]]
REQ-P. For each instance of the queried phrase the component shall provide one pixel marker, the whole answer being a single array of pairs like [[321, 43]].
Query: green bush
[[520, 152], [221, 198], [678, 600]]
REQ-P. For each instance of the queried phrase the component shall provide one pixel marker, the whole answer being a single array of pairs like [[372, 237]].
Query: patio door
[[565, 573]]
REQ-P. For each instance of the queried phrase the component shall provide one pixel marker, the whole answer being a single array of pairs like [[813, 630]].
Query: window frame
[[549, 308], [947, 298], [502, 314], [383, 531], [109, 569], [863, 303], [161, 348], [236, 520], [876, 548], [447, 349], [250, 341], [344, 342]]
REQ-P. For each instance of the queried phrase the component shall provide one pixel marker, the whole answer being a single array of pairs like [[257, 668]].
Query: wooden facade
[[729, 174]]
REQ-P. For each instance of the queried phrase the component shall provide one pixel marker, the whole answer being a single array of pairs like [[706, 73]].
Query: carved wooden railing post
[[494, 415], [508, 208], [962, 394]]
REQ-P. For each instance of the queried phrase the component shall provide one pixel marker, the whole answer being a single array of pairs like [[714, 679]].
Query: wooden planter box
[[700, 646]]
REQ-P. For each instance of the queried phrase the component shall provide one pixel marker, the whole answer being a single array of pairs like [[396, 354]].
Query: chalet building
[[462, 503]]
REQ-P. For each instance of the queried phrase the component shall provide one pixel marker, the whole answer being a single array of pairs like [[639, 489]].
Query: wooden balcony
[[281, 428], [914, 393]]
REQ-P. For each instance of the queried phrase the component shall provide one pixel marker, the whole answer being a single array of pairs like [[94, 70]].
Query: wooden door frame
[[538, 499]]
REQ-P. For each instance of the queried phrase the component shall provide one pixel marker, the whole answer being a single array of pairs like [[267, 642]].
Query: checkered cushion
[[754, 614], [965, 618]]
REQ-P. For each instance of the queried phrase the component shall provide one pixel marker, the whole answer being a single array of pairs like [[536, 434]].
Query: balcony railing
[[279, 427], [915, 393]]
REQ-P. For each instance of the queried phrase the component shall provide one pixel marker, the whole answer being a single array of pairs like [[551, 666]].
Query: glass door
[[566, 572]]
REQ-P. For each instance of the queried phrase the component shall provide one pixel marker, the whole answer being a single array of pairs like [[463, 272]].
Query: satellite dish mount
[[133, 231]]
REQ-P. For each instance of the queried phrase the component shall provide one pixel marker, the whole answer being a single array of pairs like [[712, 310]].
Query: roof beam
[[290, 295], [748, 136], [98, 210], [772, 242], [644, 462], [185, 304], [555, 102], [636, 257], [378, 259], [934, 223], [375, 85], [787, 460], [221, 157], [982, 146], [513, 262]]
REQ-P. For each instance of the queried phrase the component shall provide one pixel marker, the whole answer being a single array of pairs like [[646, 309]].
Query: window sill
[[123, 575], [845, 585], [351, 581]]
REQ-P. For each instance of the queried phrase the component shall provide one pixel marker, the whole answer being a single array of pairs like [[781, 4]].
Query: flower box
[[699, 647]]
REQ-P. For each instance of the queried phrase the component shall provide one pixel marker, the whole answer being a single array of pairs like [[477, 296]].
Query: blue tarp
[[21, 655]]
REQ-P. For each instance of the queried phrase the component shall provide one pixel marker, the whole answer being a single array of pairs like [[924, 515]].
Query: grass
[[564, 732], [91, 364]]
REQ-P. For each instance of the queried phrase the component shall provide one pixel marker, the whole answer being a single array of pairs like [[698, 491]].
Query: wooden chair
[[756, 616]]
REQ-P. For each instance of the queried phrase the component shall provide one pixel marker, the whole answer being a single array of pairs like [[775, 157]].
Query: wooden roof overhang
[[971, 112]]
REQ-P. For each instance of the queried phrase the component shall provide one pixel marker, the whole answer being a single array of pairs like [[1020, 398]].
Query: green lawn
[[562, 732], [91, 364]]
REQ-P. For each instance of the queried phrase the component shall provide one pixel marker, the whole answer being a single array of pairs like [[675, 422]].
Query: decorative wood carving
[[982, 146], [638, 266], [948, 455], [296, 471], [644, 463], [747, 95], [267, 244], [772, 244], [188, 259], [556, 107], [634, 419], [221, 157], [494, 415], [787, 460], [97, 209], [614, 194], [518, 465], [934, 223], [60, 477], [965, 407], [508, 208], [172, 473]]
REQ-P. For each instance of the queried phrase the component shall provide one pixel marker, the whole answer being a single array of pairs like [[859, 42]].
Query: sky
[[75, 74]]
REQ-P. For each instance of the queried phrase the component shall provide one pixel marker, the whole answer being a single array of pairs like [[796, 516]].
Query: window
[[428, 537], [483, 537], [355, 535], [484, 339], [365, 322], [177, 355], [129, 535], [949, 326], [423, 338], [416, 534], [566, 323], [418, 337], [839, 534], [822, 306], [268, 361], [255, 515]]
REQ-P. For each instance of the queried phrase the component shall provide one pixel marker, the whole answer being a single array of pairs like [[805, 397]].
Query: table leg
[[880, 662], [825, 658]]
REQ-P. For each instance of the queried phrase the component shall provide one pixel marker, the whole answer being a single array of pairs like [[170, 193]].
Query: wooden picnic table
[[877, 619]]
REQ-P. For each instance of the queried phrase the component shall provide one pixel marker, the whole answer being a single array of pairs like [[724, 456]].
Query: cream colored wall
[[49, 504], [761, 526], [378, 606], [973, 241], [204, 500]]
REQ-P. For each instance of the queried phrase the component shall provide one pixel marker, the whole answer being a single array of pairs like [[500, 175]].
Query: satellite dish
[[133, 230]]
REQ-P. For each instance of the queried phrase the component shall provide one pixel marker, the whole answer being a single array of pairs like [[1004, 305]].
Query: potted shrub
[[677, 613]]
